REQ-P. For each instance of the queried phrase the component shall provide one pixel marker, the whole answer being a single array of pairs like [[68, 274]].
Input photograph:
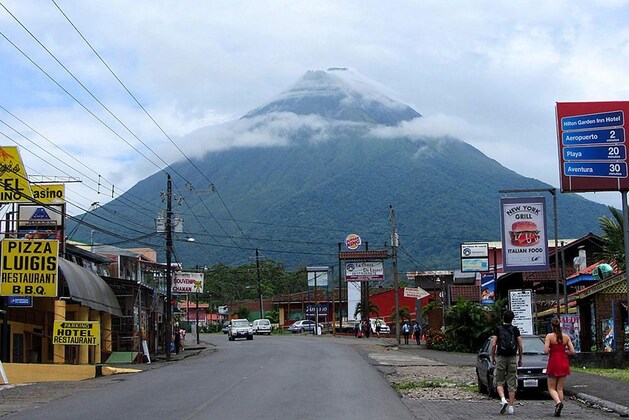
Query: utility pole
[[340, 294], [259, 283], [394, 245], [169, 246]]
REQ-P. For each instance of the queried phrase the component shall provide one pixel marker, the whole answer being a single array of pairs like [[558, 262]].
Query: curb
[[621, 410]]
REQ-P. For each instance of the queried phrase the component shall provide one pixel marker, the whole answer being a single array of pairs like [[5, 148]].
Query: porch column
[[84, 351], [105, 332], [59, 350], [95, 316]]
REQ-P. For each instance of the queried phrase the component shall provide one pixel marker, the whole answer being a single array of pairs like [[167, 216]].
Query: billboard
[[524, 240], [364, 271], [521, 303], [29, 267], [592, 146]]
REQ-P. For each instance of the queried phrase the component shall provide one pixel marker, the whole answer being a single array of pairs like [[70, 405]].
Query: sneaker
[[510, 410], [558, 408], [503, 405]]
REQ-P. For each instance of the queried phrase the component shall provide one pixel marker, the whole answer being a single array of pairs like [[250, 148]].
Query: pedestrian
[[559, 346], [356, 329], [417, 332], [378, 327], [406, 330], [506, 345], [177, 340]]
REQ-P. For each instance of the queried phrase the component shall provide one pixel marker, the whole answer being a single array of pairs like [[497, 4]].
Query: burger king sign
[[353, 242], [524, 243]]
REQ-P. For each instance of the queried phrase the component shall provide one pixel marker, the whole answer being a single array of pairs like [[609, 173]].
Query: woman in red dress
[[559, 347]]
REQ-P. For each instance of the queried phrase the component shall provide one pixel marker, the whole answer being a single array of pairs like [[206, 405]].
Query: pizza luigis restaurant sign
[[524, 240]]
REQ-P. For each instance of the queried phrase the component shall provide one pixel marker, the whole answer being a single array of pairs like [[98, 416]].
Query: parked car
[[531, 375], [239, 328], [384, 328], [303, 326], [262, 326], [225, 328]]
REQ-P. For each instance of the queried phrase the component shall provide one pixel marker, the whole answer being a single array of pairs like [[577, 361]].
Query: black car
[[531, 375]]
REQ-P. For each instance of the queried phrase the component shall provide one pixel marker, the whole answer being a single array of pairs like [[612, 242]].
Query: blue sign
[[487, 292], [603, 119], [612, 170], [608, 135], [608, 152], [20, 301]]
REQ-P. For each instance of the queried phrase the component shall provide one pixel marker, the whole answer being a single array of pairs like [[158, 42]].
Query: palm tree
[[373, 309], [404, 314], [614, 247]]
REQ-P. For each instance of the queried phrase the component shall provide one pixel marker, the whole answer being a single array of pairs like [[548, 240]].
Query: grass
[[620, 374]]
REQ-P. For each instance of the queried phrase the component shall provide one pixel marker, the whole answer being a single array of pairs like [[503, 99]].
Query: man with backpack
[[506, 355]]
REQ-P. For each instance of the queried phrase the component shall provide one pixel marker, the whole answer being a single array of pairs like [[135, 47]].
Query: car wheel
[[302, 330], [481, 386]]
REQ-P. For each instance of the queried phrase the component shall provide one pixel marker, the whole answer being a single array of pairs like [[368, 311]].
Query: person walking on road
[[506, 345], [559, 346], [417, 332], [406, 330]]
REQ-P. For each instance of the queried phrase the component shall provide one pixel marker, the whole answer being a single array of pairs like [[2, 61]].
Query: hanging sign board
[[592, 141], [187, 282], [415, 292], [29, 267], [73, 333]]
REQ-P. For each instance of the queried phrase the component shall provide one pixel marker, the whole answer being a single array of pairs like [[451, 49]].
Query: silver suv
[[239, 328]]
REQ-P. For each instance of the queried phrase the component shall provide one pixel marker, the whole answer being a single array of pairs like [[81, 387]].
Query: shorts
[[506, 372]]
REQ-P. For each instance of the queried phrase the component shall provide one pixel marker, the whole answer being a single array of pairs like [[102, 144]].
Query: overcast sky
[[487, 72]]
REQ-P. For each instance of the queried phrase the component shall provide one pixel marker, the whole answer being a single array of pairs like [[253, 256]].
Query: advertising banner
[[364, 271], [592, 140], [487, 290], [187, 282], [29, 267], [73, 333], [524, 240], [571, 326]]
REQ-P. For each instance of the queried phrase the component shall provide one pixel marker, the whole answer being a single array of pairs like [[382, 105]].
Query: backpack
[[416, 328], [507, 344], [405, 328]]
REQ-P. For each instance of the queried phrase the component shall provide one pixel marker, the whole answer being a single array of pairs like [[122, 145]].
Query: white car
[[239, 328], [384, 328], [303, 326], [262, 326]]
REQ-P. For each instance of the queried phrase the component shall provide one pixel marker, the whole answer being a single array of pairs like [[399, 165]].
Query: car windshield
[[264, 322], [532, 345], [240, 323]]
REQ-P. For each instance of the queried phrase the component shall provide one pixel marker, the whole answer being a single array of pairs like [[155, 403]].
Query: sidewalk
[[593, 390]]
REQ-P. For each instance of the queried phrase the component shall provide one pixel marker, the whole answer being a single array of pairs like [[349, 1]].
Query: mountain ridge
[[330, 172]]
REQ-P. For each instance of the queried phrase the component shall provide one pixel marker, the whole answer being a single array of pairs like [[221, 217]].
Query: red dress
[[558, 364]]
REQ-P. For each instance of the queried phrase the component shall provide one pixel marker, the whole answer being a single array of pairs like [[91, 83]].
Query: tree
[[373, 309], [243, 312], [404, 313], [614, 247]]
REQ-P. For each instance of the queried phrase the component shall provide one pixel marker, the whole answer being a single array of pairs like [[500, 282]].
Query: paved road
[[292, 377]]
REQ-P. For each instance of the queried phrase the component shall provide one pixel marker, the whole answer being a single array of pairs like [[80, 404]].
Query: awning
[[89, 288]]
